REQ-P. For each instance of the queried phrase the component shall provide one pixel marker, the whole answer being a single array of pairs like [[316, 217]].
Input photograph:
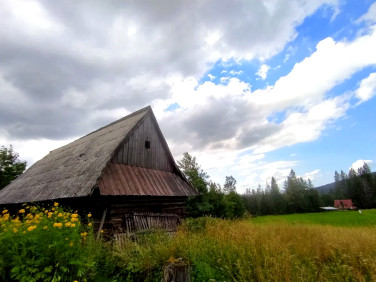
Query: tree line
[[359, 186], [296, 196], [214, 200]]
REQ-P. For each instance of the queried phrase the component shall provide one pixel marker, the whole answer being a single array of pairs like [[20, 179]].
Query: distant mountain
[[327, 188]]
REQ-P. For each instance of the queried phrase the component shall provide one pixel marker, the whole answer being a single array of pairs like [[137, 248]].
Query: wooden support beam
[[102, 222]]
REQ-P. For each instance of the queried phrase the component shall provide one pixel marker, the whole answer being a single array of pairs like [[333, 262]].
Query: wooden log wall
[[134, 152], [135, 215]]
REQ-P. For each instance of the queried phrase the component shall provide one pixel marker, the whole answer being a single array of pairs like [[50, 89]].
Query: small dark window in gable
[[147, 145]]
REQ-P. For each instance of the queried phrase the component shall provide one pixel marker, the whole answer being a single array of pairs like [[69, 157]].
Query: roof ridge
[[147, 108]]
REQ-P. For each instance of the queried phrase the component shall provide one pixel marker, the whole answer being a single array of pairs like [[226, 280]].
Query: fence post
[[176, 271]]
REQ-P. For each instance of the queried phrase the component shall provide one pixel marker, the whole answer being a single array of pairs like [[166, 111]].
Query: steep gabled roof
[[75, 169]]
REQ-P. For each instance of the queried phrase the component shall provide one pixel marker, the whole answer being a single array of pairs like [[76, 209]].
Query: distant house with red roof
[[344, 204]]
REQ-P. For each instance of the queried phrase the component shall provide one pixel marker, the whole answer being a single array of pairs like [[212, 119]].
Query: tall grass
[[225, 250]]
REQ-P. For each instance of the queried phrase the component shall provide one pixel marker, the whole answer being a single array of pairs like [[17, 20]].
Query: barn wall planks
[[133, 151]]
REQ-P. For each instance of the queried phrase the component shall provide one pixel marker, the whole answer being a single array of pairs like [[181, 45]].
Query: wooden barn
[[123, 173]]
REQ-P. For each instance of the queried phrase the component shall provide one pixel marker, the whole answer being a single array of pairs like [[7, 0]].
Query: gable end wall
[[133, 152]]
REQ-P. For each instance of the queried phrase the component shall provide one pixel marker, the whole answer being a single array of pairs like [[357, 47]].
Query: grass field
[[328, 246], [335, 218]]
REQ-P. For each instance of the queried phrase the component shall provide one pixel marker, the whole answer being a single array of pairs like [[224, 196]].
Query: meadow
[[333, 218], [330, 246]]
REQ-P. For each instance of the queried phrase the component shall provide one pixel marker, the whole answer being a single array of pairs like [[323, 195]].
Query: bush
[[38, 244]]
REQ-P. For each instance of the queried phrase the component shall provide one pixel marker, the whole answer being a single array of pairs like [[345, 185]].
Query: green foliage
[[230, 184], [299, 197], [10, 166], [38, 244], [212, 201], [359, 186]]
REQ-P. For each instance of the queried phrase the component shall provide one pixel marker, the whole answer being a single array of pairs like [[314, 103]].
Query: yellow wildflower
[[21, 211], [89, 224], [60, 214], [56, 204], [31, 228], [50, 214], [16, 220], [67, 224], [75, 215], [73, 225], [73, 219], [45, 227], [15, 230], [83, 234], [5, 211], [89, 215], [58, 224]]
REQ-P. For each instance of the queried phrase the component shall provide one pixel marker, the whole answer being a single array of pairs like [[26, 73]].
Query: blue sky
[[253, 89]]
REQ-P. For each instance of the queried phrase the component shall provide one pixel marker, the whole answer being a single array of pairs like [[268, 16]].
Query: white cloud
[[370, 16], [232, 72], [359, 163], [311, 174], [211, 77], [367, 88], [263, 71]]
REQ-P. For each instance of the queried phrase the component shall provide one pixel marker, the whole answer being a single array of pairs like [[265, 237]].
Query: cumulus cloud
[[232, 116], [66, 52], [263, 71], [359, 163], [367, 88]]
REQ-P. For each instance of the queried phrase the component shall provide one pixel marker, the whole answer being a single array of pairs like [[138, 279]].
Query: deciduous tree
[[10, 166]]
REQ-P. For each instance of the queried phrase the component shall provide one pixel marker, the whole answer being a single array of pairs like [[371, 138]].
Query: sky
[[252, 89]]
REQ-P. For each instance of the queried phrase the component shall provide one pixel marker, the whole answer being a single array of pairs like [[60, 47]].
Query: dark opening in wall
[[147, 145]]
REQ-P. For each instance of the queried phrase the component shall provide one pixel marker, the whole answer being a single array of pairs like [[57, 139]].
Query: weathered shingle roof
[[75, 169]]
